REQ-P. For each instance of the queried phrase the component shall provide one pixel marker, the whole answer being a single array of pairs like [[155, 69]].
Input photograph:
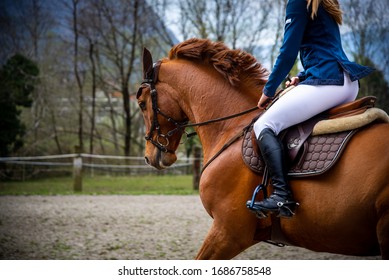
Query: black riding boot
[[273, 154]]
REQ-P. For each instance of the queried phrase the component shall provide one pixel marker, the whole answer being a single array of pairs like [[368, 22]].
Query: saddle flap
[[320, 154]]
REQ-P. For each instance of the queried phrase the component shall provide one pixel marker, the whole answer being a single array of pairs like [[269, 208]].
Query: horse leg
[[218, 245], [224, 197], [224, 243]]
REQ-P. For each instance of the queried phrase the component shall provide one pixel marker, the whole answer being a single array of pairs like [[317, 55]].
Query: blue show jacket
[[320, 47]]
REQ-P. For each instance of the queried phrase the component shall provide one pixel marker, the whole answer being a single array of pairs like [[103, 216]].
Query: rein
[[217, 119], [224, 118], [226, 145]]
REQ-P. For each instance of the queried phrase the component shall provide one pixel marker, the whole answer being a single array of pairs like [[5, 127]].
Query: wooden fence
[[80, 164]]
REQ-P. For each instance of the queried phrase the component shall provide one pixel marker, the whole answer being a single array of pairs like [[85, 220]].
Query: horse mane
[[237, 66]]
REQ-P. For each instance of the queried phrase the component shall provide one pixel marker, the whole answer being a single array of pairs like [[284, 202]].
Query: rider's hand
[[263, 101], [293, 82]]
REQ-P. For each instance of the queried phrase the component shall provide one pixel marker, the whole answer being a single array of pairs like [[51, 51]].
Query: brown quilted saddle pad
[[316, 156]]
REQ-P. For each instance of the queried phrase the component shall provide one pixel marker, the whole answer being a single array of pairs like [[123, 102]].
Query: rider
[[329, 79]]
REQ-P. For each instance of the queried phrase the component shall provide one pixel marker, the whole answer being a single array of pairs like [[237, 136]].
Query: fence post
[[77, 170], [196, 167]]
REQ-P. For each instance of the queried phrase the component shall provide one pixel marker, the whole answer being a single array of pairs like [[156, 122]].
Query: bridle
[[162, 140], [150, 79]]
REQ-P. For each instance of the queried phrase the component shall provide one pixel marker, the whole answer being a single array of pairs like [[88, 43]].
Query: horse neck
[[204, 95]]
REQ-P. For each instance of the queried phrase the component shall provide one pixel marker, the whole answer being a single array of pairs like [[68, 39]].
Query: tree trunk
[[126, 93], [93, 117], [78, 78]]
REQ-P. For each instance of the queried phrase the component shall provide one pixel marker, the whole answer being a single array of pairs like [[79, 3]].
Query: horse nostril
[[147, 160]]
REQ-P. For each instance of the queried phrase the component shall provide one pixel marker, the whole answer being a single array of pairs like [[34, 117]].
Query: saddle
[[313, 151]]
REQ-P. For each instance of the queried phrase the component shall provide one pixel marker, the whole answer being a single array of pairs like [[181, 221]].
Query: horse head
[[164, 127]]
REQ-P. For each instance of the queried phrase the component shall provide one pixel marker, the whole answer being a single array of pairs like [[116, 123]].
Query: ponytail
[[331, 6]]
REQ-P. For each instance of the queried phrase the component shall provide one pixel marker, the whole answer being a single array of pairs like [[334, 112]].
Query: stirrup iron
[[261, 187], [251, 203]]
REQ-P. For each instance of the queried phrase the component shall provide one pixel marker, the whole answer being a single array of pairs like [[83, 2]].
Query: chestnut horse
[[343, 211]]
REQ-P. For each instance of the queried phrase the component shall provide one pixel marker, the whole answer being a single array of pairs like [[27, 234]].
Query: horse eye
[[142, 105]]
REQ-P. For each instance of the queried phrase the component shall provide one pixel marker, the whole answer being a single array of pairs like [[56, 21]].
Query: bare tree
[[78, 74], [368, 26], [239, 23], [367, 39], [117, 30], [93, 73], [104, 39], [117, 44], [24, 25], [279, 10]]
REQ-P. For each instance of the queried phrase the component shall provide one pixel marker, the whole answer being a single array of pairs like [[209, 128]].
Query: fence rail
[[77, 165]]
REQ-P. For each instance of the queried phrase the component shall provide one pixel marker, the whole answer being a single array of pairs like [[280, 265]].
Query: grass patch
[[100, 185]]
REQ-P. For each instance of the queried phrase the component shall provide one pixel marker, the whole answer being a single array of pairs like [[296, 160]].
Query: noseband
[[161, 141]]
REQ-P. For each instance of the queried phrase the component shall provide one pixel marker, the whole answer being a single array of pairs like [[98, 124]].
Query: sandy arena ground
[[116, 227]]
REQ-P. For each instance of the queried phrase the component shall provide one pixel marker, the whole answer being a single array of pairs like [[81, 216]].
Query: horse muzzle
[[159, 159]]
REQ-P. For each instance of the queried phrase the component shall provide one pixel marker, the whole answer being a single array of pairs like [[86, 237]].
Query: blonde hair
[[331, 6]]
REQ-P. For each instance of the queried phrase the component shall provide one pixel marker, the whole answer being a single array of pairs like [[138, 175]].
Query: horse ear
[[147, 64]]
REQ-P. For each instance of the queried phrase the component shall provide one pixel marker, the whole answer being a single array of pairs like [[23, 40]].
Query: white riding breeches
[[304, 102]]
